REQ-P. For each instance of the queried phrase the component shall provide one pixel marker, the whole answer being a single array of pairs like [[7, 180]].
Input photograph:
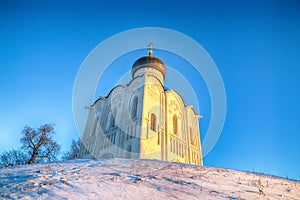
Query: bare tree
[[74, 150], [39, 143]]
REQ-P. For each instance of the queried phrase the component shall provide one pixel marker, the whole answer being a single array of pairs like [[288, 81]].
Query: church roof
[[149, 61]]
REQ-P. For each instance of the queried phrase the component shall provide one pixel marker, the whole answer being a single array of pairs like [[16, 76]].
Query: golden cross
[[150, 48]]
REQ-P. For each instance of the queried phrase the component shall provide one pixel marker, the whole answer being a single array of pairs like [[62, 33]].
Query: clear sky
[[255, 45]]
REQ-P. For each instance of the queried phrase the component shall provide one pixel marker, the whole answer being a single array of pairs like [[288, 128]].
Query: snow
[[139, 179]]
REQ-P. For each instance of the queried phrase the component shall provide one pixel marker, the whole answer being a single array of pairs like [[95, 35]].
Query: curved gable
[[172, 94]]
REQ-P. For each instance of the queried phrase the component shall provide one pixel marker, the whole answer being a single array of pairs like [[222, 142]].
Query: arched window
[[175, 124], [153, 122], [134, 107]]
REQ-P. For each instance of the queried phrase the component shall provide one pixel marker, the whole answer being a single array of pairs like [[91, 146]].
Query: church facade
[[143, 120]]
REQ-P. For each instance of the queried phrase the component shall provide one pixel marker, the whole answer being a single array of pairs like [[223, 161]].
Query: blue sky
[[255, 44]]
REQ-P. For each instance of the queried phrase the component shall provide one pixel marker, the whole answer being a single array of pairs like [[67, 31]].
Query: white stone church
[[143, 120]]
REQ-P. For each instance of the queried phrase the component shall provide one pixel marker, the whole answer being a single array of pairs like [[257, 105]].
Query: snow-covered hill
[[139, 179]]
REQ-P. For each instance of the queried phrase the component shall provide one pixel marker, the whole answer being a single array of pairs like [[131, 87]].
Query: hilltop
[[139, 179]]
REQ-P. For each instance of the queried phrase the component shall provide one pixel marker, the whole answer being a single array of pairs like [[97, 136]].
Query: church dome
[[151, 62]]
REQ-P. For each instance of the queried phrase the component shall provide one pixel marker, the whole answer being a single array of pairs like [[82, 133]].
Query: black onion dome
[[149, 61]]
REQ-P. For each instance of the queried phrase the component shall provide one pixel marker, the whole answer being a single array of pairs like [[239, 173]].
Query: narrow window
[[134, 107], [128, 151], [153, 122], [114, 138], [113, 117], [175, 124], [108, 121]]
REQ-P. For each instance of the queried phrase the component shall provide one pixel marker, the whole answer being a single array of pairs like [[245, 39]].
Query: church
[[143, 120]]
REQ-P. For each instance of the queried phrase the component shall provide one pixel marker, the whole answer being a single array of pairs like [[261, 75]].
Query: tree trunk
[[32, 157], [31, 160]]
